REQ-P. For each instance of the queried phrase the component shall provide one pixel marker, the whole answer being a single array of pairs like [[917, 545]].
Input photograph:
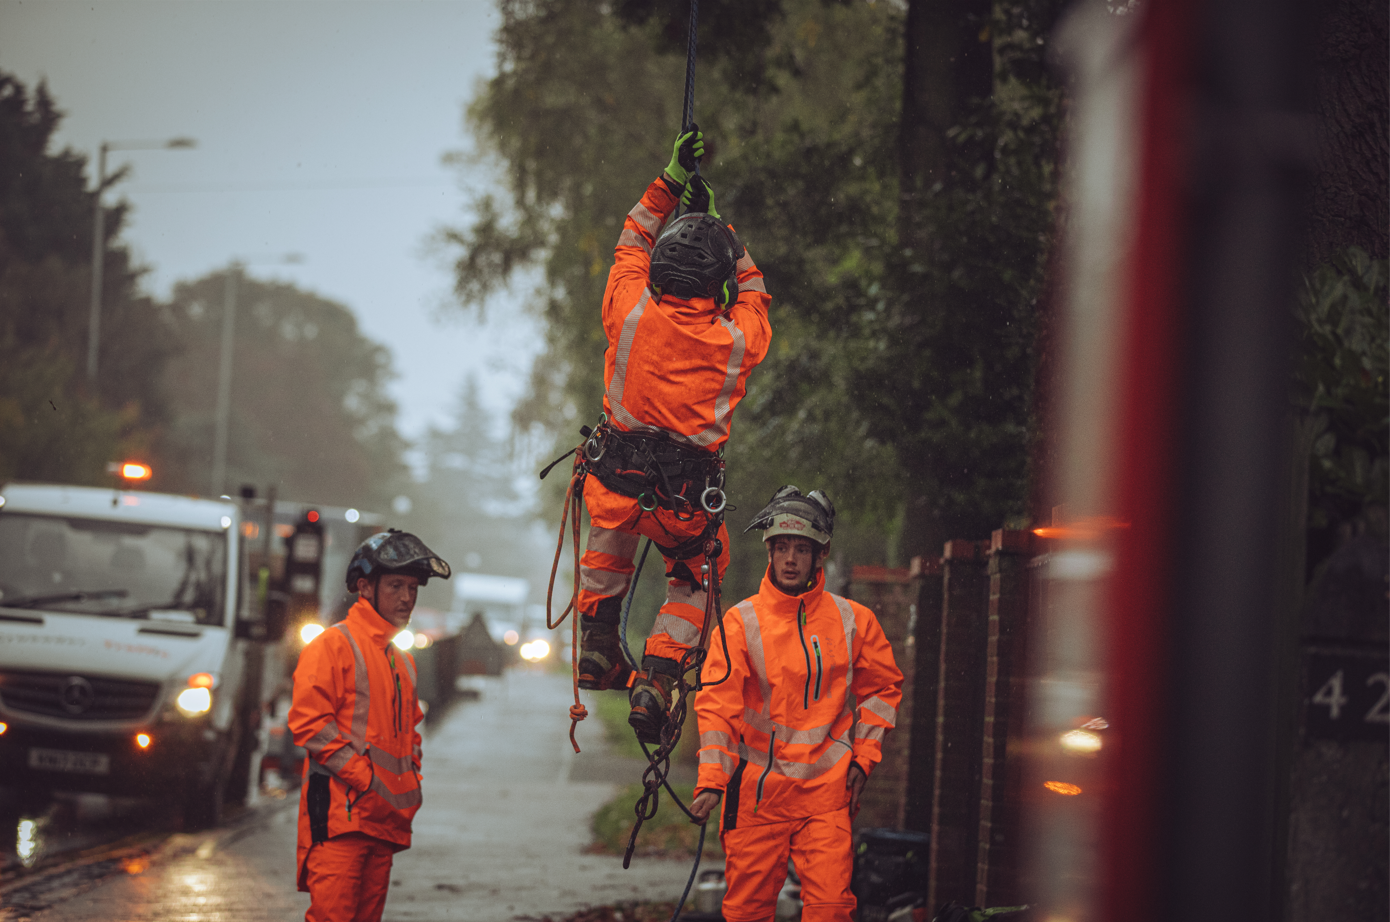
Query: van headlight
[[194, 701]]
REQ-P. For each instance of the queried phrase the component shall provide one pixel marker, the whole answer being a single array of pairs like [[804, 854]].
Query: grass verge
[[669, 834]]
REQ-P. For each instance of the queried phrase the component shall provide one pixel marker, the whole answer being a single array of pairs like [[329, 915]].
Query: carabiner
[[644, 498], [713, 504]]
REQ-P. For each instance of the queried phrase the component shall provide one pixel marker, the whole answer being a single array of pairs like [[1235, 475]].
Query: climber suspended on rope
[[685, 314]]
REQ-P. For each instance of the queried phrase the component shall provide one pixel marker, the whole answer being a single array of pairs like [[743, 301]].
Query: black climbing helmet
[[790, 513], [394, 551], [696, 256]]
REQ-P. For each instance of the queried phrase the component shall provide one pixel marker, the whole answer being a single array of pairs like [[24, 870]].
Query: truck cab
[[123, 644]]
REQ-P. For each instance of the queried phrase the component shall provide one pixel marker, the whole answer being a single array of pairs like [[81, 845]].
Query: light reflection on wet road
[[500, 836]]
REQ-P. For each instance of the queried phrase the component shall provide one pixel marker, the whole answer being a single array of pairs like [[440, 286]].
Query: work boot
[[651, 699], [601, 662]]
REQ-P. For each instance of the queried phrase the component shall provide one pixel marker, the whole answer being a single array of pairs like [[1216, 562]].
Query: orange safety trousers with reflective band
[[811, 686], [347, 879], [674, 365], [617, 524], [756, 867], [355, 711]]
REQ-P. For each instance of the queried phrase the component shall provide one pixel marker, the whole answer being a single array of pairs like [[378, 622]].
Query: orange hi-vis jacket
[[812, 686], [675, 365], [355, 711]]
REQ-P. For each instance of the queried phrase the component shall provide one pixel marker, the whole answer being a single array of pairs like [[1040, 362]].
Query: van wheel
[[202, 804]]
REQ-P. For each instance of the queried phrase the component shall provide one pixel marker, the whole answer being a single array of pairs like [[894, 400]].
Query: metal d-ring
[[644, 498], [713, 505], [594, 449]]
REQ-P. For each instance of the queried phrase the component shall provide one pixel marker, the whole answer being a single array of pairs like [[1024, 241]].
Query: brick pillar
[[1001, 771], [959, 724], [926, 668], [890, 594]]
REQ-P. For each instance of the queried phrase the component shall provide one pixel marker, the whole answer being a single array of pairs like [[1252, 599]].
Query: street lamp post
[[99, 235], [224, 369]]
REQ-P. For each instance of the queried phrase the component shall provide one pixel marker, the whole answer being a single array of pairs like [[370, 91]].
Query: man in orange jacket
[[355, 711], [788, 740], [685, 314]]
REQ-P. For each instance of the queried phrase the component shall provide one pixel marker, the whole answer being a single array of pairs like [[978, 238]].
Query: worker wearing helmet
[[789, 739], [685, 314], [355, 711]]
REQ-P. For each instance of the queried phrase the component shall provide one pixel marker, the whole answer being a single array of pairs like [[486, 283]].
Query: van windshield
[[121, 569]]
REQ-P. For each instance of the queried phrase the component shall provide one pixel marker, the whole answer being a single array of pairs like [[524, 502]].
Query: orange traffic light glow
[[1062, 787], [201, 680], [134, 470], [143, 740]]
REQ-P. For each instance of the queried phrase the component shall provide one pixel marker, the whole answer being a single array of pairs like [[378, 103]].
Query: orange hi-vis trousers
[[755, 866], [347, 877], [617, 525]]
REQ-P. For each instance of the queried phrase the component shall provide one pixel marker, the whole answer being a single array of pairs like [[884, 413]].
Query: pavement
[[501, 836]]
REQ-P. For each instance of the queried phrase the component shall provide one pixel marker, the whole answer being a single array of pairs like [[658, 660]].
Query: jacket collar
[[365, 619], [771, 595], [690, 310]]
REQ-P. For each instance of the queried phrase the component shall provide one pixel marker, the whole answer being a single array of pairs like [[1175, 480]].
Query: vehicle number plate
[[60, 760]]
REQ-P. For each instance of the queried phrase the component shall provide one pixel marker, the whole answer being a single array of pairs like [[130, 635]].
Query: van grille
[[77, 697]]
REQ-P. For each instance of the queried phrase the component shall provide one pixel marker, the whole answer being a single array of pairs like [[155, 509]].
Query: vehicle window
[[53, 563]]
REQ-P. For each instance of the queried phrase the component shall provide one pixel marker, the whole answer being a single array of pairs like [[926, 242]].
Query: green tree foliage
[[1343, 382], [895, 370], [309, 411], [54, 424]]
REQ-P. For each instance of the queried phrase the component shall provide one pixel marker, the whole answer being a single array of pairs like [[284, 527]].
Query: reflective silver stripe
[[869, 732], [847, 620], [753, 640], [678, 629], [716, 738], [416, 755], [645, 219], [800, 771], [394, 764], [753, 284], [337, 760], [403, 801], [328, 734], [620, 358], [880, 708], [409, 667], [630, 238], [603, 582], [682, 594], [788, 735], [362, 700], [745, 262], [721, 403], [614, 542], [719, 757]]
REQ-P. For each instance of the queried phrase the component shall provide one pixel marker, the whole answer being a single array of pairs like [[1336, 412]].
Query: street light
[[224, 369], [99, 234]]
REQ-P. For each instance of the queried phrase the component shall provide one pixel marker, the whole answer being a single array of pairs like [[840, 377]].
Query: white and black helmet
[[790, 513], [394, 551]]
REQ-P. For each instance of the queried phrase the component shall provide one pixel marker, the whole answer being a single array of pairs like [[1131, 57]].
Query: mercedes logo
[[77, 695]]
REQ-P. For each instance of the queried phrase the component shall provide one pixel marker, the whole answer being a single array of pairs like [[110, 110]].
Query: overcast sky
[[320, 128]]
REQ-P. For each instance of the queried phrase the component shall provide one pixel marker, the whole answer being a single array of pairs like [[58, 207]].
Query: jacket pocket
[[317, 801]]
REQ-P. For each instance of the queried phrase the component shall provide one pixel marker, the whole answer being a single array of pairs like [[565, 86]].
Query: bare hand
[[854, 783], [703, 805]]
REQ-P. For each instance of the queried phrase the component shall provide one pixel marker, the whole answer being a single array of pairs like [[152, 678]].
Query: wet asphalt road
[[500, 836]]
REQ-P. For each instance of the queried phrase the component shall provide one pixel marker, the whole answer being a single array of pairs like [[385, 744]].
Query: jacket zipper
[[772, 742], [801, 633], [815, 645]]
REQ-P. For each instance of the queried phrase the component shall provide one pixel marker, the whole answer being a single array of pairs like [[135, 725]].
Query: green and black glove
[[699, 196], [690, 147]]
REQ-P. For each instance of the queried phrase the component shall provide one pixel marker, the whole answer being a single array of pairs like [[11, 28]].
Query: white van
[[122, 658]]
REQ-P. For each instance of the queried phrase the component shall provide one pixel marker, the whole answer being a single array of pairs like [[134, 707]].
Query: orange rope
[[574, 497]]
